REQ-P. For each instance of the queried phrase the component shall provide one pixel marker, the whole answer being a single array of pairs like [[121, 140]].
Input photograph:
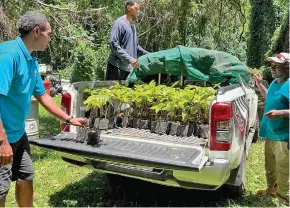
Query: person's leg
[[282, 161], [123, 74], [24, 193], [24, 176], [270, 164], [112, 72], [270, 169], [5, 182]]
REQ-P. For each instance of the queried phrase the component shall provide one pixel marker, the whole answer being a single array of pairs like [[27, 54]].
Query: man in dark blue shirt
[[124, 44]]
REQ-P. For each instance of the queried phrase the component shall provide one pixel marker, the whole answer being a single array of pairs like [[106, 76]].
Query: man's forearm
[[284, 113], [141, 50], [120, 52], [48, 103], [263, 90]]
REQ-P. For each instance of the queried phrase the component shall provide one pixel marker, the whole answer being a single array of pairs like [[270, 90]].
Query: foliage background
[[248, 29]]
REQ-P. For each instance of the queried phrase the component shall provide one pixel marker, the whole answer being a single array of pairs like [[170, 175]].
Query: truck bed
[[129, 145]]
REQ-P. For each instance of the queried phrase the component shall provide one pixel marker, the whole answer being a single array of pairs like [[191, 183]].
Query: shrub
[[83, 63]]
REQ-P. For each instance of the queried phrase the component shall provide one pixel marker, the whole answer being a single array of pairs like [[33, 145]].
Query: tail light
[[65, 106], [221, 122]]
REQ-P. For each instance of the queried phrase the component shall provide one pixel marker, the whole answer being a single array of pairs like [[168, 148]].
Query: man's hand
[[6, 153], [273, 114], [134, 63], [258, 78], [78, 121]]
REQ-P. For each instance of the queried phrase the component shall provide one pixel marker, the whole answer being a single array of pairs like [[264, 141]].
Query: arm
[[6, 153], [263, 90], [273, 114], [6, 76], [48, 103], [141, 51], [284, 92], [258, 79]]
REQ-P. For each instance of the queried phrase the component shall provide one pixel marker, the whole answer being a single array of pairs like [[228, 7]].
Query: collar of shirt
[[24, 49]]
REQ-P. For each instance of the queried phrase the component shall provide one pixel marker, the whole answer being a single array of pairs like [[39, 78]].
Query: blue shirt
[[277, 98], [19, 80], [124, 44]]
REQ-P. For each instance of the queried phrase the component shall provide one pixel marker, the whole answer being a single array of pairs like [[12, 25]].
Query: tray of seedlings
[[150, 111]]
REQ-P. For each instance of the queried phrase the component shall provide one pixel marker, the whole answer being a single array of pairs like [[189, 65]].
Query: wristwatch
[[67, 121]]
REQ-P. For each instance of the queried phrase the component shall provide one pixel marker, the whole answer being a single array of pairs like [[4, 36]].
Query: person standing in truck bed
[[20, 79], [275, 129], [124, 44]]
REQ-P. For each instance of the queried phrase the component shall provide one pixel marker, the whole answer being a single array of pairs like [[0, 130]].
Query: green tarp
[[194, 63]]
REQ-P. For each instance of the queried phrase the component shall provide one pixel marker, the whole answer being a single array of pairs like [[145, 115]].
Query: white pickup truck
[[192, 163]]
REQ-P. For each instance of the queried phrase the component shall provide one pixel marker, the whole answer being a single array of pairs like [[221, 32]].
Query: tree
[[281, 37], [262, 26]]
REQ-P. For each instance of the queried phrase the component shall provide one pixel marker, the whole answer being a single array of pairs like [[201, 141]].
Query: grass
[[60, 184]]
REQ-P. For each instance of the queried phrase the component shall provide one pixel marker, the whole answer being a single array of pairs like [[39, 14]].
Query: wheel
[[235, 186], [236, 191], [257, 129]]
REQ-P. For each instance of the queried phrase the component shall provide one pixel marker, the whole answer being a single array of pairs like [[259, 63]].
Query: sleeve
[[116, 34], [39, 87], [284, 90], [7, 72], [141, 51]]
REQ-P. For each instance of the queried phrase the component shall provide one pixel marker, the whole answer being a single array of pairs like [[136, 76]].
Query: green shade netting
[[194, 63]]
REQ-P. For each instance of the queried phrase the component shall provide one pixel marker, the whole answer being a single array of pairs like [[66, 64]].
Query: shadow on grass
[[108, 190], [38, 153], [89, 191]]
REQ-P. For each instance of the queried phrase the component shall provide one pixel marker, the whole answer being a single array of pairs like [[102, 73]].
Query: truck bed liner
[[136, 145]]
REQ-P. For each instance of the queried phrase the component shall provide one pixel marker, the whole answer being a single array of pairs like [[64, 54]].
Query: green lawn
[[58, 183]]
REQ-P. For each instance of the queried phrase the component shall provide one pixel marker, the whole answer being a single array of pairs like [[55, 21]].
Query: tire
[[235, 191], [257, 129], [236, 185]]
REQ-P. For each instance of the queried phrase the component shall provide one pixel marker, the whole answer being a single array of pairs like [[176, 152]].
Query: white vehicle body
[[218, 161]]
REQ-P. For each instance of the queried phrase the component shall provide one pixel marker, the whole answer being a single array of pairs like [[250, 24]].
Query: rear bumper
[[210, 177]]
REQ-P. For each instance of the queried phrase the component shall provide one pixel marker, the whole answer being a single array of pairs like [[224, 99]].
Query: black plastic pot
[[197, 130], [182, 130], [201, 130], [93, 137], [124, 122], [153, 126], [144, 124], [163, 127], [190, 129], [136, 122], [104, 124], [118, 121], [204, 131], [173, 128], [130, 122], [81, 135], [111, 124]]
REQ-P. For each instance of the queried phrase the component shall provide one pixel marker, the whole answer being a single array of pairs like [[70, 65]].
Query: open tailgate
[[134, 146]]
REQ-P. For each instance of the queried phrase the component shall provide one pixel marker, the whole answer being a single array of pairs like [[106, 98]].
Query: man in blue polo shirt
[[275, 128], [20, 79]]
